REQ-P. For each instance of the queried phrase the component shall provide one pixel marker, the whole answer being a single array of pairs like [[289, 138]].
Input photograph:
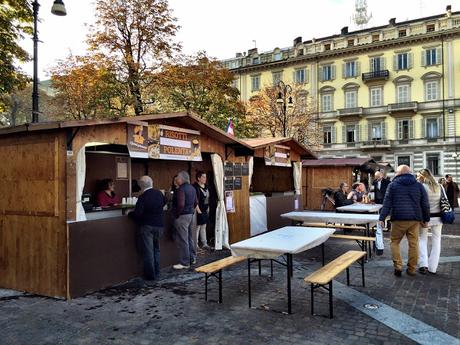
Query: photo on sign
[[229, 202], [278, 155], [137, 140]]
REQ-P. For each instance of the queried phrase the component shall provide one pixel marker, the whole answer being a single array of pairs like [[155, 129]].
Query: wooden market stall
[[330, 172], [54, 243], [276, 180]]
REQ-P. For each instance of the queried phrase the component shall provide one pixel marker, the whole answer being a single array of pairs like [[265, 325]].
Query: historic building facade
[[390, 92]]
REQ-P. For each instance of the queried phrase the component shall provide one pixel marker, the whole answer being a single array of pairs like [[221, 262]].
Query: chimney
[[252, 51], [392, 21], [344, 30], [448, 10], [297, 40]]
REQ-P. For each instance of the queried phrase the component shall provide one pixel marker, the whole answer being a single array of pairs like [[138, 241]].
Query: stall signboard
[[237, 182], [228, 183], [228, 169], [173, 143], [237, 169], [245, 169], [137, 139], [278, 155]]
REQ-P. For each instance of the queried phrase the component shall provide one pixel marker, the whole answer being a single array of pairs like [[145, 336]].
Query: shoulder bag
[[447, 213]]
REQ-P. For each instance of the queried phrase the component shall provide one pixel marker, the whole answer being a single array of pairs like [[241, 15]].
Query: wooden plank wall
[[268, 179], [317, 178], [33, 236]]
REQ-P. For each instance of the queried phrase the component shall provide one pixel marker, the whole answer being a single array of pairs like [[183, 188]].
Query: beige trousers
[[410, 229]]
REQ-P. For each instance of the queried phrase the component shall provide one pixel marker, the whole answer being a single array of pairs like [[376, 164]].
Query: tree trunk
[[135, 90]]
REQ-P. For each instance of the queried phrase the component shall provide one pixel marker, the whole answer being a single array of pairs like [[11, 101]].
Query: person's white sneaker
[[180, 267]]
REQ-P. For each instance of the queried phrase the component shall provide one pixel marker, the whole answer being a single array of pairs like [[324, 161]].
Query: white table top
[[332, 217], [357, 207], [289, 239]]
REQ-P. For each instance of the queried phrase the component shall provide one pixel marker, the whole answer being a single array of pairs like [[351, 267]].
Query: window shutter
[[293, 77], [358, 133], [332, 72], [423, 128], [371, 64], [384, 130], [307, 75], [395, 62], [440, 127], [320, 71], [409, 60], [399, 130], [411, 129], [344, 68], [333, 134], [369, 131], [358, 68], [344, 134], [383, 63], [423, 58], [438, 55]]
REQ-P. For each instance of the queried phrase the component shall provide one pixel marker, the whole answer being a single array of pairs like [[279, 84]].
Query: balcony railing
[[350, 111], [376, 75], [406, 106], [382, 143]]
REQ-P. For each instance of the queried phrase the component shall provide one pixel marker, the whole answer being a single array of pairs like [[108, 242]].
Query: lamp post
[[58, 9], [284, 100]]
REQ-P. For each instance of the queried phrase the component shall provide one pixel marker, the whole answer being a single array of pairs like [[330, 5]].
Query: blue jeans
[[150, 236], [186, 244]]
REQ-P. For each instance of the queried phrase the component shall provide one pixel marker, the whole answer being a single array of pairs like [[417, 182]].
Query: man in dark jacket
[[148, 214], [186, 202], [452, 191], [406, 201], [380, 187], [340, 197]]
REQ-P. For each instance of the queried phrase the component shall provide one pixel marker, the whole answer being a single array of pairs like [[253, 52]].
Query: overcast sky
[[222, 28]]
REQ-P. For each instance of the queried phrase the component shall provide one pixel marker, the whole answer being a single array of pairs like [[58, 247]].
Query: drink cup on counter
[[130, 201], [123, 201], [134, 200]]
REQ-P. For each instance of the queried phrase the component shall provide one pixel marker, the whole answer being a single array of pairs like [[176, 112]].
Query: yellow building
[[390, 92]]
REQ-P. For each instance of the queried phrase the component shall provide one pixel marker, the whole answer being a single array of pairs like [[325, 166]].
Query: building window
[[327, 134], [255, 60], [430, 27], [350, 134], [351, 69], [327, 72], [376, 131], [403, 93], [255, 83], [377, 64], [402, 61], [278, 56], [404, 130], [404, 160], [351, 42], [300, 76], [277, 77], [351, 98], [402, 33], [431, 57], [431, 90], [432, 163], [327, 46], [376, 96], [375, 37], [326, 102], [432, 129]]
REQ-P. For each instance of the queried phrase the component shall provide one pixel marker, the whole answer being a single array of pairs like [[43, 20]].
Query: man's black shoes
[[398, 273]]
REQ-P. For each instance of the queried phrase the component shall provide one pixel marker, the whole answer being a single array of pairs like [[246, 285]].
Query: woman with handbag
[[429, 263]]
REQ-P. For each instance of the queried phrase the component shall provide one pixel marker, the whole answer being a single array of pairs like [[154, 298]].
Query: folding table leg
[[312, 295], [330, 300], [289, 269], [260, 267], [322, 253], [206, 287], [362, 271], [271, 268], [348, 276], [249, 282], [220, 286]]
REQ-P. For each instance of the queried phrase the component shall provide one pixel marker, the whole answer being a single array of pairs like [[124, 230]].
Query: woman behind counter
[[107, 197]]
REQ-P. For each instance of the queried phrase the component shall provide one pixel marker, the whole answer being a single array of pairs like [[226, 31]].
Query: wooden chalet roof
[[257, 143]]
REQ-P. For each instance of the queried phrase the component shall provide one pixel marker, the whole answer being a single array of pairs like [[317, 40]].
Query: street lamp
[[58, 9], [285, 101]]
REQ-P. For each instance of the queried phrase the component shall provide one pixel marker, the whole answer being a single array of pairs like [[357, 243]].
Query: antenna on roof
[[255, 43], [361, 17]]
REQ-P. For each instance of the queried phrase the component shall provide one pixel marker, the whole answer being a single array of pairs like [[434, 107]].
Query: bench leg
[[271, 268], [330, 301], [249, 282], [362, 271], [220, 286], [289, 274], [322, 253], [206, 287], [348, 276], [260, 267], [312, 297]]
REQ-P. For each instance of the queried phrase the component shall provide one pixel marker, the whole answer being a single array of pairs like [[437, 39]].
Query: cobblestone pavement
[[174, 311]]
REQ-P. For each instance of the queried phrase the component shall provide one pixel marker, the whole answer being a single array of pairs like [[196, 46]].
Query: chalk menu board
[[237, 169], [237, 183], [228, 169], [245, 169], [228, 183]]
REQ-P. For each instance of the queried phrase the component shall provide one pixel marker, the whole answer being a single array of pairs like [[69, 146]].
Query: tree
[[137, 36], [201, 85], [89, 87], [300, 120], [15, 22]]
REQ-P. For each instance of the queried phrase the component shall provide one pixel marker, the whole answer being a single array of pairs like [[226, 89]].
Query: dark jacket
[[341, 199], [203, 203], [186, 200], [379, 194], [452, 193], [149, 208], [406, 199]]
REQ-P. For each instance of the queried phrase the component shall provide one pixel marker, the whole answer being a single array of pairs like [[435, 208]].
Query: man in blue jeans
[[186, 201], [148, 214]]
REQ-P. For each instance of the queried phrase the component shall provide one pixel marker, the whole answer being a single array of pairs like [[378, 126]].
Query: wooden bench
[[364, 242], [324, 276], [214, 269]]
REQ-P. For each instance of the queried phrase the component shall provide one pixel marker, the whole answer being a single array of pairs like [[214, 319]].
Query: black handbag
[[447, 213]]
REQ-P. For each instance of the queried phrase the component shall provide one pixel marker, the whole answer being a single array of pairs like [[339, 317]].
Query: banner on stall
[[173, 143], [137, 139], [278, 155]]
